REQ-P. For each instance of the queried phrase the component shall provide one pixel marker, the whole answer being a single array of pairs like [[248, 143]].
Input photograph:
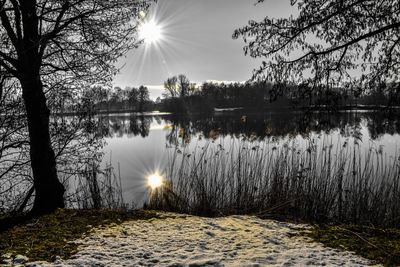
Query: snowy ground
[[192, 241]]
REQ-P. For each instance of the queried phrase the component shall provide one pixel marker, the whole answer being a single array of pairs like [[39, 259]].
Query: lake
[[140, 145]]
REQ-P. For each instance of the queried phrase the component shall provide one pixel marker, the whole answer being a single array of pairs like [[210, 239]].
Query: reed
[[316, 182], [96, 188]]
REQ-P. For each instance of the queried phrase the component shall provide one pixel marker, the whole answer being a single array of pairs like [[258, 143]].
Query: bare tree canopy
[[328, 42], [178, 86], [76, 37], [171, 87], [53, 46]]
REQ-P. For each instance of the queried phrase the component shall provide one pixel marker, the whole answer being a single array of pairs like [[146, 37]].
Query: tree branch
[[354, 41]]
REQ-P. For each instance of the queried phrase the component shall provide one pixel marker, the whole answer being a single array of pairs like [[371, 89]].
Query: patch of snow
[[6, 260], [189, 241], [19, 260]]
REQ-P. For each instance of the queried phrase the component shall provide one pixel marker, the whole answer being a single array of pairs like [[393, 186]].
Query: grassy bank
[[379, 245], [48, 236]]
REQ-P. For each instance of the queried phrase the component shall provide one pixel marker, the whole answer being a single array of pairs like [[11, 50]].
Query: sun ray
[[150, 32]]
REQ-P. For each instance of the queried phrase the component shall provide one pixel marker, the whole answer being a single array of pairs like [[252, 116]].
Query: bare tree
[[326, 41], [171, 87], [46, 43], [14, 158], [178, 86], [184, 84]]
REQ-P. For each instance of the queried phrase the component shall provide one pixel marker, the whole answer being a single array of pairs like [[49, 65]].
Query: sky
[[196, 41]]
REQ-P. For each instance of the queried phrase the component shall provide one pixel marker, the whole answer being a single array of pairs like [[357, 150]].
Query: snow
[[179, 240], [18, 260]]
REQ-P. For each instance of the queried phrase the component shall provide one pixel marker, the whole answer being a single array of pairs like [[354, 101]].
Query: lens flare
[[142, 14], [150, 32], [155, 181]]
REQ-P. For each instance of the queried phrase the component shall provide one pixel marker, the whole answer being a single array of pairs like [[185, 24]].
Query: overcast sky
[[197, 41]]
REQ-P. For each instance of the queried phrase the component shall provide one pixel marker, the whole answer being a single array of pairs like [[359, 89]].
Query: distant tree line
[[181, 95], [99, 98]]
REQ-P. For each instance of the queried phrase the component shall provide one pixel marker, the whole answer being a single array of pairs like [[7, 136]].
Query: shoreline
[[314, 109]]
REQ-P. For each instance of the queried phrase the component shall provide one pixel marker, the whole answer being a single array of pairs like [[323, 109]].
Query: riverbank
[[228, 109], [48, 236], [76, 238]]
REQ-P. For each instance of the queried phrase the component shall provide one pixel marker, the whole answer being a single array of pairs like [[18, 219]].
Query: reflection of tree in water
[[118, 126], [139, 125], [353, 127], [380, 124], [103, 127], [158, 120], [181, 131], [280, 125]]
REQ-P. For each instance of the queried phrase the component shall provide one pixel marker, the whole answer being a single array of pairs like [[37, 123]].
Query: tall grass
[[318, 183], [96, 188]]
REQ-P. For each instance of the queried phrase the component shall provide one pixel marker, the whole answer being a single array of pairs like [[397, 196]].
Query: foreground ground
[[160, 239]]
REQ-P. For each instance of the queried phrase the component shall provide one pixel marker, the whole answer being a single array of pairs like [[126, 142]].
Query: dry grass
[[336, 184]]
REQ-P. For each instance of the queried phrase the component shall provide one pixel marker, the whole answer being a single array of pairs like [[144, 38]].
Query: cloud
[[225, 82]]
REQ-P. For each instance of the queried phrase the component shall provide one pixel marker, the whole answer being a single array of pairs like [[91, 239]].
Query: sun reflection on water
[[154, 181]]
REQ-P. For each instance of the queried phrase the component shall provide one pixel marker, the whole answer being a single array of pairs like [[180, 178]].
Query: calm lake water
[[143, 144]]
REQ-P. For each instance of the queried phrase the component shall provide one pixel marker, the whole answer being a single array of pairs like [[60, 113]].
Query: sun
[[155, 181], [150, 32]]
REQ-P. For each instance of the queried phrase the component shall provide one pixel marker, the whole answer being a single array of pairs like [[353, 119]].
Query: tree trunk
[[49, 192]]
